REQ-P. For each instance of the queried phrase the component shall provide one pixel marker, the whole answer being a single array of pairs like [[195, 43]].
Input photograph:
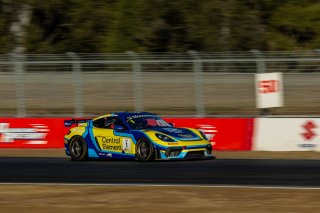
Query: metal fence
[[194, 84]]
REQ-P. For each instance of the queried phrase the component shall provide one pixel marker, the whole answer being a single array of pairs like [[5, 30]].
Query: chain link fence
[[194, 84]]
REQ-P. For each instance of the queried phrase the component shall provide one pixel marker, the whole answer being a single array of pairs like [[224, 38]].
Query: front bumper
[[178, 153]]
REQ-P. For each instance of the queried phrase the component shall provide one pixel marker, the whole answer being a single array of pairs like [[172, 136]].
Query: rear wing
[[68, 123]]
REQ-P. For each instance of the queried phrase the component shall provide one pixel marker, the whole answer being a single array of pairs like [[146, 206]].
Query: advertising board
[[287, 134], [32, 132], [223, 133], [269, 90]]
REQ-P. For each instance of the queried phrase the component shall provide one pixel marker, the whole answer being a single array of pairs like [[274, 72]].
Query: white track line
[[168, 185]]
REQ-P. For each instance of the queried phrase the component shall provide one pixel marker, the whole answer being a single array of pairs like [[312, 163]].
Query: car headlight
[[209, 149], [164, 137], [203, 135]]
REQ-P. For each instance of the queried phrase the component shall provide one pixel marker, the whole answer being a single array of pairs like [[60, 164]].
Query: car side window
[[112, 122], [107, 123], [99, 123]]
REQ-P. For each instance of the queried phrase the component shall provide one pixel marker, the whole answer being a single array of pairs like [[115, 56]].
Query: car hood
[[179, 133]]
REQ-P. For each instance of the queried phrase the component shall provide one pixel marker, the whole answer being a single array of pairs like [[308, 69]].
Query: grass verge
[[184, 199]]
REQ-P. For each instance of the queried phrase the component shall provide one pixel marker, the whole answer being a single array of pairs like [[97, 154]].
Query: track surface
[[211, 172]]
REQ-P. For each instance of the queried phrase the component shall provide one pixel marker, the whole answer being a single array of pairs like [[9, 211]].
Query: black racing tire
[[78, 149], [145, 150]]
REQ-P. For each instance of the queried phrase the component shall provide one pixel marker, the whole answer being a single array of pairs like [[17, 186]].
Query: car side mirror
[[171, 124], [119, 128]]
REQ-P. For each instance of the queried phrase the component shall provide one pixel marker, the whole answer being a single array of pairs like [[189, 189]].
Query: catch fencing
[[193, 84]]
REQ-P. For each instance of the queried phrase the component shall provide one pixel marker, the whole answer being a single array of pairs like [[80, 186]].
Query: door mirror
[[119, 128], [171, 124]]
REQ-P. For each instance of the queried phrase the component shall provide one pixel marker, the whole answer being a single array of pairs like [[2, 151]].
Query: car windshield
[[147, 122]]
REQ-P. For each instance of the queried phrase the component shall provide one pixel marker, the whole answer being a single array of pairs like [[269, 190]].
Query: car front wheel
[[145, 150]]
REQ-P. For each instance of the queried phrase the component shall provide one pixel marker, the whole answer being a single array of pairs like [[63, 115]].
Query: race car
[[142, 136]]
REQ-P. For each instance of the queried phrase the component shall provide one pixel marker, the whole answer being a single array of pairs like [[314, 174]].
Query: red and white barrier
[[261, 134], [224, 133], [32, 132]]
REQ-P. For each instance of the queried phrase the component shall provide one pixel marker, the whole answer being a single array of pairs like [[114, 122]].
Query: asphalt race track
[[305, 173]]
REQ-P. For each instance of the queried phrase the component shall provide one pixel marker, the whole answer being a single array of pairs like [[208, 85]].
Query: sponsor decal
[[173, 143], [185, 135], [111, 144], [174, 130], [140, 116], [110, 140], [126, 145]]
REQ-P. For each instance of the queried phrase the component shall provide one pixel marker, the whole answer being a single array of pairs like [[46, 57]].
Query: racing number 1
[[126, 145]]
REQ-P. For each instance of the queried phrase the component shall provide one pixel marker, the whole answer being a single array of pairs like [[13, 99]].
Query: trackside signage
[[287, 134], [223, 133], [31, 132], [269, 90]]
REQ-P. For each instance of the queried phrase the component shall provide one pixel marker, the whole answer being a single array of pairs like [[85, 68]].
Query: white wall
[[287, 134]]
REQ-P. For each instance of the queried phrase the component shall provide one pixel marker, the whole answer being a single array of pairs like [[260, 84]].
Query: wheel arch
[[74, 136]]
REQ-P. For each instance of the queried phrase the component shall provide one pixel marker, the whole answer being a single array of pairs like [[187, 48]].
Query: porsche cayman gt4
[[133, 135]]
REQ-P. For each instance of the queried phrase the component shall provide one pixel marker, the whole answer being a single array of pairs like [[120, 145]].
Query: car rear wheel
[[145, 150], [78, 149]]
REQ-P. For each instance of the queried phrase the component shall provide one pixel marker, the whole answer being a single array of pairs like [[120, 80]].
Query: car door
[[108, 141]]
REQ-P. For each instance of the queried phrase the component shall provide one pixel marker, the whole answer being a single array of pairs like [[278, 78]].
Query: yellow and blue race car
[[133, 135]]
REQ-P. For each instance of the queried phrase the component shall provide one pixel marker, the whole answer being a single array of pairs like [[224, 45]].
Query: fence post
[[261, 68], [137, 84], [18, 64], [261, 65], [77, 83], [198, 83]]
